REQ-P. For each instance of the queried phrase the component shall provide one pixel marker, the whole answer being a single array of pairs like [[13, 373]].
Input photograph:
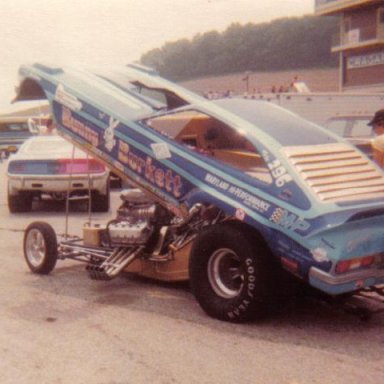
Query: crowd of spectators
[[254, 94]]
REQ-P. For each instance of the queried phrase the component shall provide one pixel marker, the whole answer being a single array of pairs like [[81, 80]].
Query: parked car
[[14, 130], [228, 193], [44, 166], [353, 128]]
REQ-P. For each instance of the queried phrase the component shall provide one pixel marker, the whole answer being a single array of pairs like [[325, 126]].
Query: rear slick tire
[[40, 247], [229, 274]]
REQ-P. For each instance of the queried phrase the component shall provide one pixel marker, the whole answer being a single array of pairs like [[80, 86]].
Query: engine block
[[135, 219], [129, 232]]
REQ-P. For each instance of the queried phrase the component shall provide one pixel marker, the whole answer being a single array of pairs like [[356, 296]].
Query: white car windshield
[[49, 146]]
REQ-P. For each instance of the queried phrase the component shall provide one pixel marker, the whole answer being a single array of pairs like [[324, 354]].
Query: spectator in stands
[[377, 124], [292, 84]]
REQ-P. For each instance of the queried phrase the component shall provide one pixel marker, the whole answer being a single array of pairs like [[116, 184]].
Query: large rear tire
[[40, 247], [230, 272]]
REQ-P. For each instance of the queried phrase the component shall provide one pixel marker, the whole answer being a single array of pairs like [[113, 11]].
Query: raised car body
[[49, 165], [288, 189]]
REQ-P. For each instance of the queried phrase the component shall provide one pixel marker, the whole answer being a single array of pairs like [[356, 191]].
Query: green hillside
[[288, 43]]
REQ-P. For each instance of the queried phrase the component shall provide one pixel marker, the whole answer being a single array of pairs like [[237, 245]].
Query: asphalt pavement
[[65, 328]]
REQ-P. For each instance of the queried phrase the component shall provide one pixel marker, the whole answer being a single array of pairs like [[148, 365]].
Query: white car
[[49, 165]]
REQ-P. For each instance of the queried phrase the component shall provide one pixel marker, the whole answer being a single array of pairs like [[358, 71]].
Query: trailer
[[320, 107]]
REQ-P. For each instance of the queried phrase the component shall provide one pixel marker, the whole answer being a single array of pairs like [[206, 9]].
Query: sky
[[115, 32]]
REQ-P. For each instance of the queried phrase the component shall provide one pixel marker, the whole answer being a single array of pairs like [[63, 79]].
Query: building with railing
[[360, 42]]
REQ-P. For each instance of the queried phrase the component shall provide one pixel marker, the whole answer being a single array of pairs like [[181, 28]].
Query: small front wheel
[[40, 247]]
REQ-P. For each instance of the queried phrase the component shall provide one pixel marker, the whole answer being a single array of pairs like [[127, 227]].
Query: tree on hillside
[[288, 43]]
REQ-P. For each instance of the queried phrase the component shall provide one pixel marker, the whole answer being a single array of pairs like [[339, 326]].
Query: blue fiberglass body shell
[[110, 122]]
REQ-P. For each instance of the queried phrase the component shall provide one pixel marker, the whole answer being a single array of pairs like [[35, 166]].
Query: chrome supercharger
[[136, 220]]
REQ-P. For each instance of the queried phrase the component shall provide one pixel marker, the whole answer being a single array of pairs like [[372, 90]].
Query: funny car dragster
[[227, 194]]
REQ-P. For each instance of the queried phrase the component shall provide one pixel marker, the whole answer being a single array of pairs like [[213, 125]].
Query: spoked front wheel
[[40, 247]]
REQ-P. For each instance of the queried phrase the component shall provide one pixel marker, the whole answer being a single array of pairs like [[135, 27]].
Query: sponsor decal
[[289, 220], [81, 129], [161, 151], [247, 199], [109, 134], [163, 178], [215, 181], [63, 97]]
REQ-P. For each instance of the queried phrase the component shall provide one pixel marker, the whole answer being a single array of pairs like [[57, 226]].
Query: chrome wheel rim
[[225, 273], [35, 247]]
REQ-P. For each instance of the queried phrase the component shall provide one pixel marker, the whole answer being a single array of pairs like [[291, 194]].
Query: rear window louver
[[337, 172]]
